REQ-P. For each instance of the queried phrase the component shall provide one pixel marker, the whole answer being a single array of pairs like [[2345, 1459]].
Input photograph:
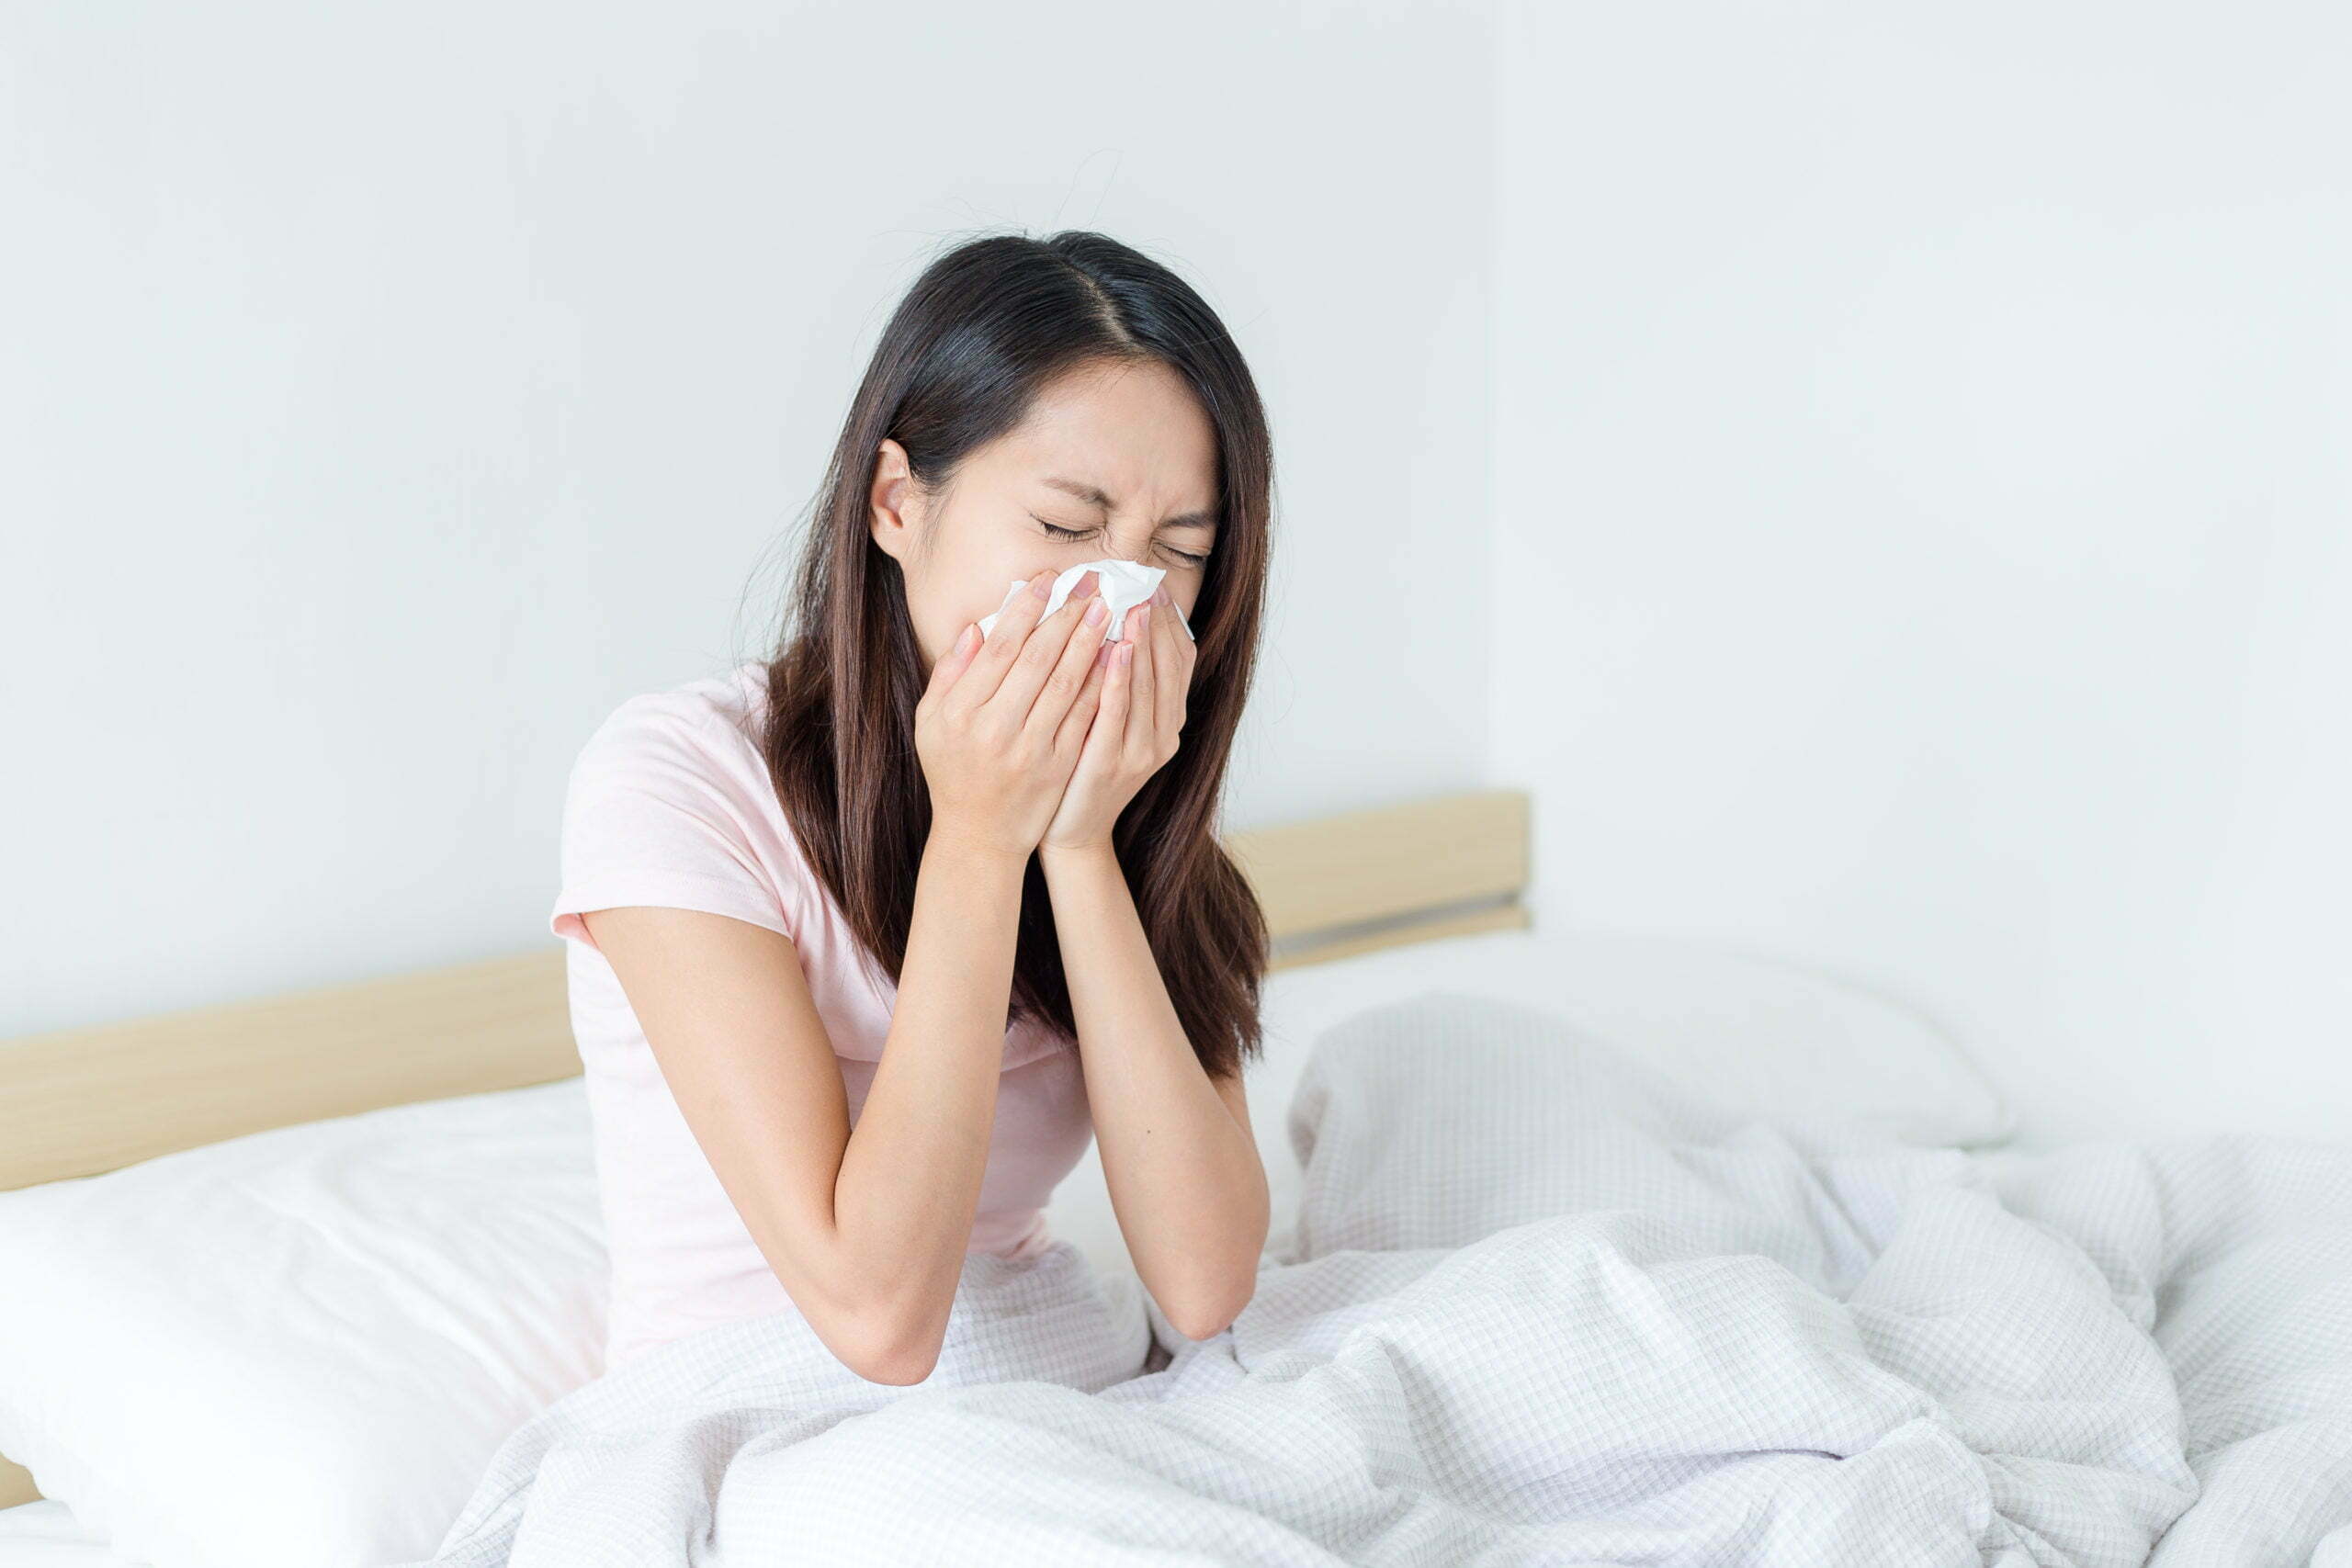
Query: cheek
[[954, 590], [982, 588], [990, 587]]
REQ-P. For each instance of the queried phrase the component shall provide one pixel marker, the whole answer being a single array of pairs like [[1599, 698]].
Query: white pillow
[[1767, 1039], [300, 1349], [1756, 1037]]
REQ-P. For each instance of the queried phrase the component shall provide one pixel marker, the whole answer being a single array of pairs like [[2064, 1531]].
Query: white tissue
[[1122, 585]]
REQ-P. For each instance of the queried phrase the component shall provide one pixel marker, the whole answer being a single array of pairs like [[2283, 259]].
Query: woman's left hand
[[1135, 726]]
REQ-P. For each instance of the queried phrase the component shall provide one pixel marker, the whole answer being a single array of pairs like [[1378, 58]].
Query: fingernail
[[1042, 585], [1159, 595], [1096, 614], [1087, 584]]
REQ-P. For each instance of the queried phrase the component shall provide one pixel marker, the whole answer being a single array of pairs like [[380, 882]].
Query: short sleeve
[[663, 808]]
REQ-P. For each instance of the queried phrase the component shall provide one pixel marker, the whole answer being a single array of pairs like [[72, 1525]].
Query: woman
[[868, 939]]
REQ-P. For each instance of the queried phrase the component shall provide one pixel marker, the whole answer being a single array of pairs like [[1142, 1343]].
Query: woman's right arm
[[866, 1229]]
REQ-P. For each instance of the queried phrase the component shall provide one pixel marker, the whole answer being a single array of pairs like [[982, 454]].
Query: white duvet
[[1542, 1308]]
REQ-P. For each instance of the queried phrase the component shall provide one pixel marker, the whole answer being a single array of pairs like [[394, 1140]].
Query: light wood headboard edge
[[82, 1101]]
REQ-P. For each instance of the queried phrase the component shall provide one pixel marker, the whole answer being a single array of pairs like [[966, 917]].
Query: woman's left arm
[[1178, 1153]]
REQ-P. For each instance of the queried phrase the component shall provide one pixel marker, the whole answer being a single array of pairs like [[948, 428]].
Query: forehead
[[1134, 431]]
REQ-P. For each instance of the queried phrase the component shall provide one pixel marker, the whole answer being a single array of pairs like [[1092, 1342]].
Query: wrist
[[1078, 853], [973, 849]]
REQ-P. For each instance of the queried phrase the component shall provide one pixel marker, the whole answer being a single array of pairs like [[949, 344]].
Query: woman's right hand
[[999, 728]]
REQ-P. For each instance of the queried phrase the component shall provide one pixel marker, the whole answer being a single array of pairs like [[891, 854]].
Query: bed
[[87, 1102], [1790, 1194]]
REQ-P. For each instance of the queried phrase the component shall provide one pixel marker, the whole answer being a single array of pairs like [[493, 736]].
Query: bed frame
[[85, 1101]]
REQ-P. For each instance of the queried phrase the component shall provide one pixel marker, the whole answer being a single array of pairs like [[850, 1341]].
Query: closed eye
[[1082, 532]]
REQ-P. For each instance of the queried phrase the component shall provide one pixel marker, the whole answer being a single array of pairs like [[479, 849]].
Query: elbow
[[888, 1343], [1202, 1325], [899, 1365], [876, 1331], [1199, 1328], [1206, 1319], [1207, 1307]]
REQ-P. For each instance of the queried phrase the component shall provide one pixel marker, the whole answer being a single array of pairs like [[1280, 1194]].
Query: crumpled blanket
[[1542, 1306]]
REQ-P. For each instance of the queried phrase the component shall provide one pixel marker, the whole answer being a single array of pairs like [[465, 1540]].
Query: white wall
[[1901, 524], [388, 391], [1924, 459]]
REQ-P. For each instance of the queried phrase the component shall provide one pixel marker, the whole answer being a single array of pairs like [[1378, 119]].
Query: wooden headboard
[[83, 1101]]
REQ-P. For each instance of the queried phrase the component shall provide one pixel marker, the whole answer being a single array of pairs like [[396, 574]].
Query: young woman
[[870, 937]]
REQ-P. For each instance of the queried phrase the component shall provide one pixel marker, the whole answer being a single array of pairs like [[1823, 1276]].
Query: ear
[[892, 512]]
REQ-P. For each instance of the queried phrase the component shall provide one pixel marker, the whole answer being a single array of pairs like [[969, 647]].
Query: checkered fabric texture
[[1541, 1307]]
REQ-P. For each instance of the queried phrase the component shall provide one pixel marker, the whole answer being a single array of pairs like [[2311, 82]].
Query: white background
[[1924, 500], [1879, 475]]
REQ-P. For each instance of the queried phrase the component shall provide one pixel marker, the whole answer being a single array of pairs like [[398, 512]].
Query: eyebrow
[[1094, 497]]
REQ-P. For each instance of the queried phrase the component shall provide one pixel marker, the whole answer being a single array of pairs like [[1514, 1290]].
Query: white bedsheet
[[46, 1535], [1548, 1308]]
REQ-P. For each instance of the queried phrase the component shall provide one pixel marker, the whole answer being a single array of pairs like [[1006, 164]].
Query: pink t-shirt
[[670, 803]]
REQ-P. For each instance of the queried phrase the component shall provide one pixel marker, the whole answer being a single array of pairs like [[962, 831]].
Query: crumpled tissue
[[1122, 585]]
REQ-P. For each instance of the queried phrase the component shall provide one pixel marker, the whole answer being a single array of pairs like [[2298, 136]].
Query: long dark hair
[[984, 328]]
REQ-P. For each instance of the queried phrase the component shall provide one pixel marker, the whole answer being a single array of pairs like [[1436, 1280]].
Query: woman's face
[[1113, 461]]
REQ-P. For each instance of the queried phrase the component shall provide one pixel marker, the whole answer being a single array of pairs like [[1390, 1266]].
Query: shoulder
[[710, 723], [670, 805]]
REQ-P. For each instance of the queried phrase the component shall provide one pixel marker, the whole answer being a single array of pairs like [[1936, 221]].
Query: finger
[[1005, 640], [1110, 718], [1074, 669], [1142, 701], [1078, 724], [1038, 660], [1170, 667]]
